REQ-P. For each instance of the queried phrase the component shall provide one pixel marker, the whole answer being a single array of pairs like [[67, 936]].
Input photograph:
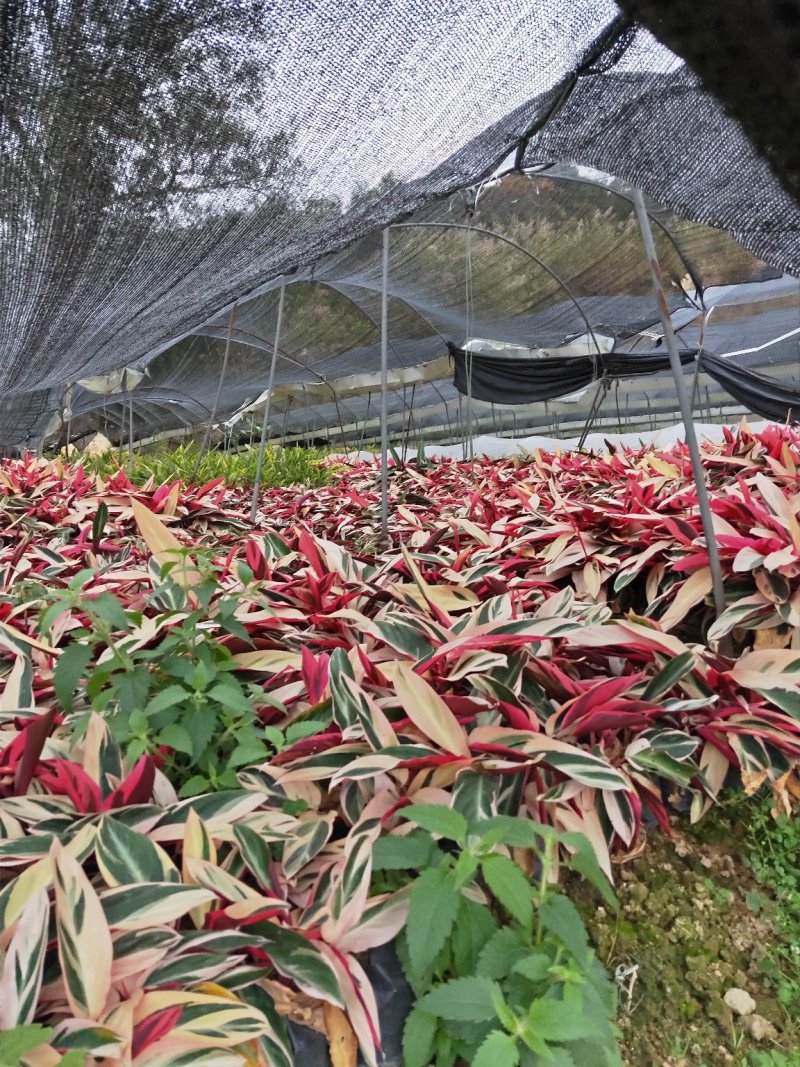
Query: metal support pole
[[468, 356], [68, 412], [207, 435], [685, 405], [265, 423], [384, 389], [599, 396], [130, 429]]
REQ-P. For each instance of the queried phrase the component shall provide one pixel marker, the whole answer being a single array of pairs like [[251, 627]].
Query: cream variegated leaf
[[84, 939], [21, 972]]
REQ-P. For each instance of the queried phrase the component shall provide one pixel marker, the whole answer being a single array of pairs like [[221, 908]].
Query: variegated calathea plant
[[235, 762]]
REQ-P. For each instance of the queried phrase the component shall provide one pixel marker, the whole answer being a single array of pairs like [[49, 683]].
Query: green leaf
[[126, 857], [75, 1058], [167, 698], [69, 670], [195, 785], [110, 610], [201, 676], [152, 904], [202, 726], [475, 925], [21, 970], [534, 967], [176, 736], [556, 1020], [653, 760], [512, 830], [465, 869], [510, 886], [431, 914], [99, 524], [561, 918], [418, 1034], [274, 736], [299, 730], [558, 1056], [135, 749], [670, 675], [16, 1043], [498, 1050], [308, 838], [226, 780], [467, 1000], [395, 853], [252, 752], [445, 1052], [255, 852], [299, 959], [584, 860], [138, 724], [437, 819], [500, 953], [230, 694], [131, 688], [49, 616], [475, 795]]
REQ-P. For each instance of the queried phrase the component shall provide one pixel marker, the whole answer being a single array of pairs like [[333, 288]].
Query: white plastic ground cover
[[500, 447]]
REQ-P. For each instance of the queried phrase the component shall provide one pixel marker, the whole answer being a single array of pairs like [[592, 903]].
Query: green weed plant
[[282, 466], [499, 962]]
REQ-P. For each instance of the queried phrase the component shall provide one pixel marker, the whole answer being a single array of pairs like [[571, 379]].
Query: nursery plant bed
[[295, 743]]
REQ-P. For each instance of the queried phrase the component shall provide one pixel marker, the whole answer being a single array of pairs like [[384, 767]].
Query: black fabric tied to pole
[[765, 396], [526, 380]]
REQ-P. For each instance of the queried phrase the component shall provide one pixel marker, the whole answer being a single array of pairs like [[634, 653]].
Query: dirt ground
[[687, 933]]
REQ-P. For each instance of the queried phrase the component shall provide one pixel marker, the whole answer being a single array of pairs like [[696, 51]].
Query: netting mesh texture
[[161, 161], [588, 276]]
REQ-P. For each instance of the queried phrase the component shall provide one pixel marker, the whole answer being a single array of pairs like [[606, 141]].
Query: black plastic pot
[[394, 998]]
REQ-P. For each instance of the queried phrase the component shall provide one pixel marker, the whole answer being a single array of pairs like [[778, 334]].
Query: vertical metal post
[[207, 435], [384, 389], [685, 405], [265, 423], [68, 412], [599, 396], [130, 431], [468, 356]]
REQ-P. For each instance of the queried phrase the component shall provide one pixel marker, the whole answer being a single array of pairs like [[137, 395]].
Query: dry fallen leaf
[[299, 1007], [772, 638], [341, 1039]]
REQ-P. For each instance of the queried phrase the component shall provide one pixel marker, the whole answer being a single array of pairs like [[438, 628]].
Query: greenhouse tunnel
[[525, 261], [400, 533], [189, 178]]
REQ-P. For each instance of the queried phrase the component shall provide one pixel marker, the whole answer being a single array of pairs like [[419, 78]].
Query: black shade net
[[160, 162], [462, 268]]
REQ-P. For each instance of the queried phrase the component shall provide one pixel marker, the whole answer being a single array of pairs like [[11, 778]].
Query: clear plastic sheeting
[[583, 346], [161, 163], [501, 447]]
